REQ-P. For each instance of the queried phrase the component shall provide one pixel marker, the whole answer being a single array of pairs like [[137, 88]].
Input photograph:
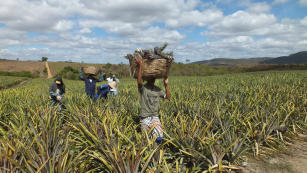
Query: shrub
[[45, 70], [69, 73], [20, 74]]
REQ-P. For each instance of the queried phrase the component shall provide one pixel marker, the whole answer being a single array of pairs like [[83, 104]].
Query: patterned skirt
[[148, 122]]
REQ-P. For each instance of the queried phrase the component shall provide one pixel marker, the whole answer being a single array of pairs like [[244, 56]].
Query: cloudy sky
[[101, 31]]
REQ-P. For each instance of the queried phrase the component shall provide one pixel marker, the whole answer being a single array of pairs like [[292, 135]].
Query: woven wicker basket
[[152, 68], [91, 70]]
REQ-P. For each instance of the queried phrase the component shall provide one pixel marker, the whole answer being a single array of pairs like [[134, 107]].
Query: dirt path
[[292, 160], [48, 71], [20, 84], [16, 85]]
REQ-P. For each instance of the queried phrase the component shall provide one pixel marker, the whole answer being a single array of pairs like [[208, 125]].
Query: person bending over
[[57, 93]]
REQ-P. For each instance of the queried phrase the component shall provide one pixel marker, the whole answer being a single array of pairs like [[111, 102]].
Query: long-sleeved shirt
[[54, 91], [90, 84], [102, 91]]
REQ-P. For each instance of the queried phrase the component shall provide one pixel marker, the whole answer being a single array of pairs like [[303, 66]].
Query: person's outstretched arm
[[80, 74], [102, 78], [139, 79], [167, 92]]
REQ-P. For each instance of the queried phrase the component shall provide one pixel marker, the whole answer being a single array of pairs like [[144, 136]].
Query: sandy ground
[[48, 70], [292, 160]]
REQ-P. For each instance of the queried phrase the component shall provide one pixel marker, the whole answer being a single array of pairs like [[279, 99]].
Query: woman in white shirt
[[113, 83]]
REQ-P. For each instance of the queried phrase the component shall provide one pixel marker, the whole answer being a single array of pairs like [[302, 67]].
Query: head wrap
[[58, 84]]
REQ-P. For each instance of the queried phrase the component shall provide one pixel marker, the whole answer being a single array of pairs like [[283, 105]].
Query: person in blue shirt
[[90, 83], [102, 92]]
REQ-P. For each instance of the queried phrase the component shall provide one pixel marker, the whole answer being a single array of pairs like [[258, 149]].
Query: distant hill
[[297, 58], [201, 68], [232, 62]]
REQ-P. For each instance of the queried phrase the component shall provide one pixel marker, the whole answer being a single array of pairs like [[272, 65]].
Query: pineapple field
[[211, 124]]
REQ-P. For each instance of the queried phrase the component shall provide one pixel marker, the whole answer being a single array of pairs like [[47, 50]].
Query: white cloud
[[67, 30], [280, 1], [63, 25], [115, 27], [241, 22], [136, 33], [156, 35], [35, 16], [11, 38], [135, 10], [303, 2], [85, 31], [240, 47], [24, 54], [259, 8], [304, 21], [195, 18], [122, 18], [10, 34], [273, 43], [288, 32]]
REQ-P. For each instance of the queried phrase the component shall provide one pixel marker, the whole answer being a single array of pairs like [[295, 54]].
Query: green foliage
[[20, 74], [44, 59], [180, 69], [275, 67], [69, 73], [45, 70], [108, 66], [35, 74], [209, 124], [8, 81]]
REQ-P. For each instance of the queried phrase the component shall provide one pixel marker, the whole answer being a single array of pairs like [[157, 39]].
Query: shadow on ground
[[292, 160]]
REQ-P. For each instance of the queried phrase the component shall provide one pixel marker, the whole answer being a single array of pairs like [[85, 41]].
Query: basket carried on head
[[90, 70], [155, 65], [152, 68]]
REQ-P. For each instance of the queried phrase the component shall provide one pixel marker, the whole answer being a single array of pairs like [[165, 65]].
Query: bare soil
[[12, 66], [48, 71], [292, 160]]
